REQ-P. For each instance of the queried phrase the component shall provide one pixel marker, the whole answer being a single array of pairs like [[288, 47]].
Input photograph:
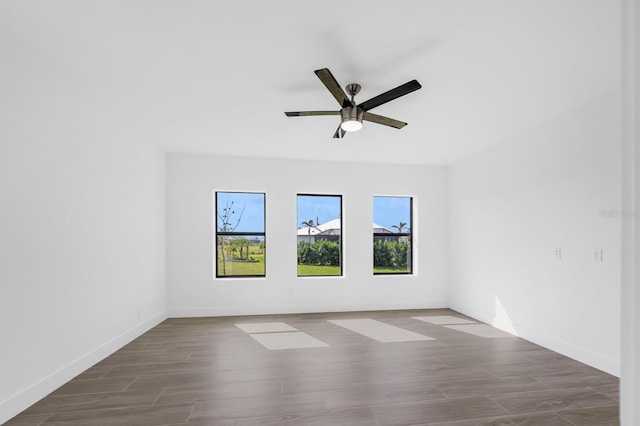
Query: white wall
[[81, 229], [192, 290], [513, 206], [630, 378]]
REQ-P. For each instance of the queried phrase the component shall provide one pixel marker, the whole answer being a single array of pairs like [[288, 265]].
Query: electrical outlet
[[557, 252]]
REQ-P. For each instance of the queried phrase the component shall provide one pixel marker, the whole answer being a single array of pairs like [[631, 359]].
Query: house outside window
[[392, 235], [240, 238]]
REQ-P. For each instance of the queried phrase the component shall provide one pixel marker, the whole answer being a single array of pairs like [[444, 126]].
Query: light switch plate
[[597, 255]]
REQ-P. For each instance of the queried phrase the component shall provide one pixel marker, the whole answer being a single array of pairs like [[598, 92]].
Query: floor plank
[[211, 371]]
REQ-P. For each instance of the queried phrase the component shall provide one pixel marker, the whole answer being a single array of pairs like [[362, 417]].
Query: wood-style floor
[[209, 371]]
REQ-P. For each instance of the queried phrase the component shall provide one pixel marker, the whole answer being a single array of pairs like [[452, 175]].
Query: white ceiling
[[215, 77]]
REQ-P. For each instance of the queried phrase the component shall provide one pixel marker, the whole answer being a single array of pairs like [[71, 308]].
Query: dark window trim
[[249, 233], [340, 239], [241, 233], [402, 234]]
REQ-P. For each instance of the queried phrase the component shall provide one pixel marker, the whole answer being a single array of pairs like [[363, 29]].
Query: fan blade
[[339, 133], [392, 94], [306, 113], [332, 85], [375, 118]]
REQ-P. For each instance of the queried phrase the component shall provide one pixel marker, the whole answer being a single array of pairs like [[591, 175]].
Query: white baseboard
[[583, 355], [23, 399], [296, 309]]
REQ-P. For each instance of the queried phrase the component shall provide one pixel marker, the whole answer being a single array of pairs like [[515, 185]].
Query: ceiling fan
[[351, 113]]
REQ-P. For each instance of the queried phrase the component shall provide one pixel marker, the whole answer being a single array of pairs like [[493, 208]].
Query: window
[[319, 235], [240, 237], [392, 237]]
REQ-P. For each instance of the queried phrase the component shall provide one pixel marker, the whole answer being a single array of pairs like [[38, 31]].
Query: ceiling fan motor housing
[[351, 113], [351, 118]]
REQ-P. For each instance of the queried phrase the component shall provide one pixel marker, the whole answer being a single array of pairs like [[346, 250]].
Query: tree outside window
[[240, 238]]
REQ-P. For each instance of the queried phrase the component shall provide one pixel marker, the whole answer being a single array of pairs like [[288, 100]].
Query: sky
[[318, 208], [247, 211], [387, 211]]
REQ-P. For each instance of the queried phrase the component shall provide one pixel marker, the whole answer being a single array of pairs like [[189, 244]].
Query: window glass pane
[[319, 235], [240, 236], [392, 238], [240, 211]]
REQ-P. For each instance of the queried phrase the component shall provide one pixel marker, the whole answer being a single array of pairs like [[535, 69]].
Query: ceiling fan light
[[351, 125], [351, 119]]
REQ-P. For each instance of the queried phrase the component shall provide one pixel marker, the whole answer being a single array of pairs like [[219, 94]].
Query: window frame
[[223, 234], [340, 239], [398, 234]]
